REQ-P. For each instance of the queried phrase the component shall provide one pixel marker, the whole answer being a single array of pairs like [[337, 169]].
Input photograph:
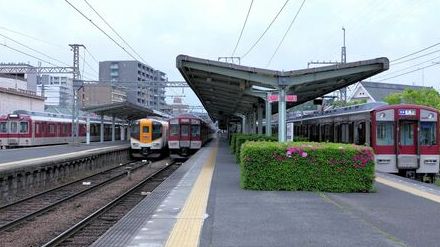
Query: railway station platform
[[38, 168], [47, 152], [202, 204]]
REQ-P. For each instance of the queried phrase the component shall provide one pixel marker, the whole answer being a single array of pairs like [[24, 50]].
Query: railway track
[[91, 228], [25, 209]]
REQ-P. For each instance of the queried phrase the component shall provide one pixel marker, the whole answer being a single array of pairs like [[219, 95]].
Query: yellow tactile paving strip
[[409, 189], [186, 231]]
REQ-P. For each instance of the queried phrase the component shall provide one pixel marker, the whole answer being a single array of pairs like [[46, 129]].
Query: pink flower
[[304, 154]]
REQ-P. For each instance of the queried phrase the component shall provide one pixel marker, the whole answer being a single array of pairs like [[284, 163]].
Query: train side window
[[24, 127], [428, 133], [3, 127], [174, 129], [384, 133], [184, 130], [14, 127], [51, 128]]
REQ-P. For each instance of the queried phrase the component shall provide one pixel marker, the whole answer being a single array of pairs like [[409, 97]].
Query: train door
[[407, 150], [185, 137]]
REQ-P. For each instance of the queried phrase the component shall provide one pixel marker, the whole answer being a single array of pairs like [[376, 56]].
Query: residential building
[[57, 90], [30, 79], [100, 94], [15, 96], [177, 107], [144, 85], [377, 91]]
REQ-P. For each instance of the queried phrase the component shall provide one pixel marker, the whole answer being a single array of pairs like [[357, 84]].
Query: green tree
[[425, 96]]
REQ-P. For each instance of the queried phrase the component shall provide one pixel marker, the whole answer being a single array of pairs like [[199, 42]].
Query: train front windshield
[[174, 129], [195, 131], [428, 133], [3, 127], [134, 130]]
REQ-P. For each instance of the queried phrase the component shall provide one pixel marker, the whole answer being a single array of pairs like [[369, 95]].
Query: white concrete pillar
[[268, 118], [282, 115]]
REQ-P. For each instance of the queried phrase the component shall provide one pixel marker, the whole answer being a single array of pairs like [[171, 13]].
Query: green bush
[[240, 139], [306, 166]]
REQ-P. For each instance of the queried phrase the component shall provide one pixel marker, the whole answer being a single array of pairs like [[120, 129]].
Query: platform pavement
[[238, 217], [19, 154]]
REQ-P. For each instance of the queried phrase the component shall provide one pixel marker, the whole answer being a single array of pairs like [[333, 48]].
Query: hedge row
[[238, 139], [327, 167]]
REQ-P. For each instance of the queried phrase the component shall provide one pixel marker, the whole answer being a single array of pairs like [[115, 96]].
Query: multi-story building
[[56, 89], [101, 94], [144, 85], [15, 96], [30, 79]]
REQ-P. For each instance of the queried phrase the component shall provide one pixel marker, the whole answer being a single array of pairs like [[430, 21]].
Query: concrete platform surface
[[237, 217], [389, 217], [19, 154]]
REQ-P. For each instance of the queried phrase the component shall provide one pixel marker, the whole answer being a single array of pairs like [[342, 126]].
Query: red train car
[[187, 134], [23, 129], [404, 137]]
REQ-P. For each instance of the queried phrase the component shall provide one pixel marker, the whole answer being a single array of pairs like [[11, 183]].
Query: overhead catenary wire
[[416, 52], [100, 29], [414, 58], [117, 34], [29, 55], [285, 34], [265, 31], [408, 67], [34, 50], [434, 64], [242, 29], [34, 38], [91, 55]]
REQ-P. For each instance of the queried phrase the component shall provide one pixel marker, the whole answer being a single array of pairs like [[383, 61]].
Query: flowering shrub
[[306, 166]]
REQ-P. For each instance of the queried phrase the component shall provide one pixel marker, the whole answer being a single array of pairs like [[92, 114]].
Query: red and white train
[[404, 137], [24, 128], [187, 134]]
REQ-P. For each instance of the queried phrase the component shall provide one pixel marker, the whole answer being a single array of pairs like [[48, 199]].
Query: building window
[[114, 66]]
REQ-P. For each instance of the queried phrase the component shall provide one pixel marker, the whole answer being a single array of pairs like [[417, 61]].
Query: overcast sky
[[159, 30]]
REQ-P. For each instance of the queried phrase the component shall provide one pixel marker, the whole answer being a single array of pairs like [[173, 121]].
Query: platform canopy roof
[[227, 90], [124, 110]]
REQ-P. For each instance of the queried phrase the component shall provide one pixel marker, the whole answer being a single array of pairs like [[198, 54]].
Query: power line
[[100, 29], [409, 67], [410, 72], [32, 49], [424, 55], [261, 36], [91, 55], [34, 38], [27, 54], [242, 29], [102, 18], [424, 49], [285, 34]]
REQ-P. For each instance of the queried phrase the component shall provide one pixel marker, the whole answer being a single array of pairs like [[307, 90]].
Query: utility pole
[[76, 86], [343, 91]]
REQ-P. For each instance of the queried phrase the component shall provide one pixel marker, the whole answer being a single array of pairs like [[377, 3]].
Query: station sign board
[[289, 98]]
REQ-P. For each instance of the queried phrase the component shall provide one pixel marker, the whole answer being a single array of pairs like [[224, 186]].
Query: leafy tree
[[425, 96]]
